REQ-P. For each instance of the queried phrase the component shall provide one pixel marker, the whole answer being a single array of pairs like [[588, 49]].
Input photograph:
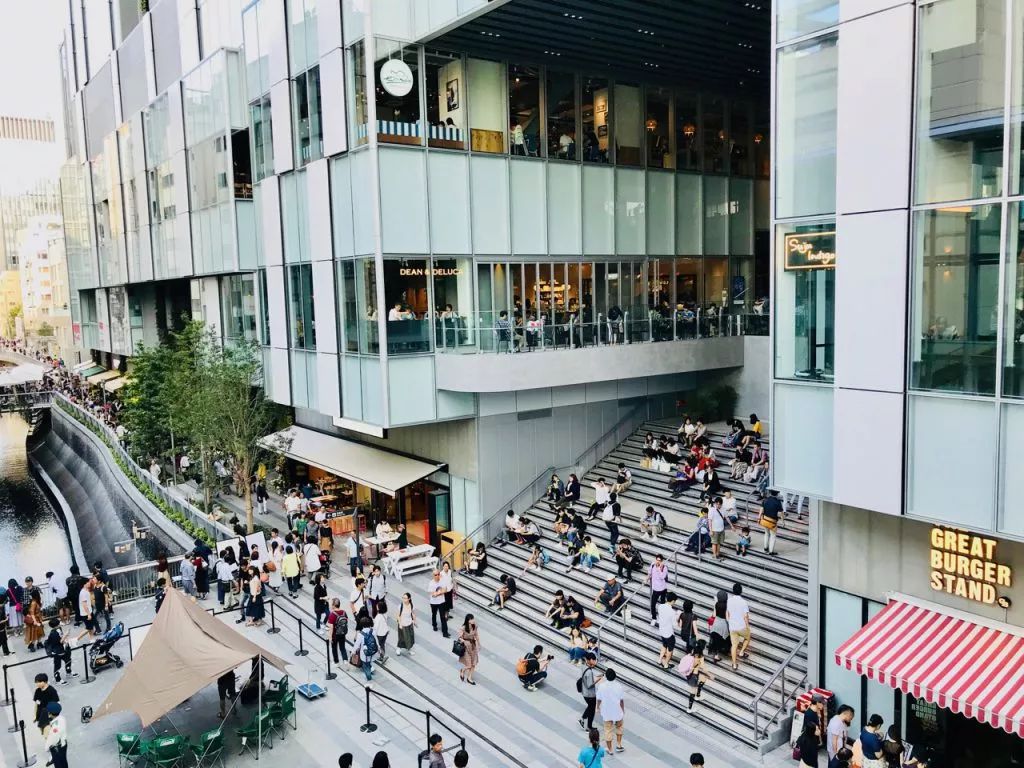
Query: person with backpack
[[58, 648], [587, 687], [592, 756], [365, 651], [611, 516], [691, 667], [532, 669], [623, 479], [337, 629]]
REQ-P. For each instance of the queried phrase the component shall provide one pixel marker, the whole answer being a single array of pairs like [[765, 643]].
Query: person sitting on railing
[[628, 559], [570, 615], [611, 595], [557, 603], [477, 560], [685, 476], [556, 489]]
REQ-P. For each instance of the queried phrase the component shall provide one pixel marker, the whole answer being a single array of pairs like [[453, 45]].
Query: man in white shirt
[[838, 732], [611, 704], [602, 495], [225, 574], [320, 515], [275, 535], [395, 313], [291, 506], [377, 590], [668, 621], [311, 559], [87, 612], [437, 603], [59, 587], [355, 562], [737, 612], [357, 600], [57, 736], [512, 525], [717, 522], [565, 143]]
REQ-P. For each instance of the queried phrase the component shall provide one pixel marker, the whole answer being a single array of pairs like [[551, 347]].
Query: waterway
[[32, 538]]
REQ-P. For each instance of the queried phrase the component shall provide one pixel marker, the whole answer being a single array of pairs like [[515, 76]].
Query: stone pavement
[[537, 729]]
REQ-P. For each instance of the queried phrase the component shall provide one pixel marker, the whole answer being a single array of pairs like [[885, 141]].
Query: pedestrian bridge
[[11, 400]]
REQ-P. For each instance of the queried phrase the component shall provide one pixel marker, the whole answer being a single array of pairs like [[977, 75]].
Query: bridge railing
[[24, 401]]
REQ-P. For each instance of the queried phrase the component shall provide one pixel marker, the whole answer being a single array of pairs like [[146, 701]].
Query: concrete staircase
[[775, 587]]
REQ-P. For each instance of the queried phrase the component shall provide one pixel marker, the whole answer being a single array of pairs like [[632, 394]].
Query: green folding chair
[[276, 690], [167, 751], [209, 749], [283, 713], [261, 726], [129, 749]]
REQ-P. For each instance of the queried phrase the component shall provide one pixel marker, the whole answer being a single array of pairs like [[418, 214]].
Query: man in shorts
[[611, 705], [717, 521], [737, 613], [87, 610], [668, 621]]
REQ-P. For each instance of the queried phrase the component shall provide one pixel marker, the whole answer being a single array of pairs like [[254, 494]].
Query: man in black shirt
[[45, 693], [771, 515], [58, 649], [532, 669], [75, 583]]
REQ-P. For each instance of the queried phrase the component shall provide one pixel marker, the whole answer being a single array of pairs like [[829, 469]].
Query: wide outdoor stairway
[[775, 587]]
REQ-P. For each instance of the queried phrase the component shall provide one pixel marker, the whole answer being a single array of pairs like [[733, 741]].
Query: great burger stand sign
[[967, 565]]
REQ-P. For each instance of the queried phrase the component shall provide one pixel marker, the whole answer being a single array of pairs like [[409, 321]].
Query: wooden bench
[[410, 560]]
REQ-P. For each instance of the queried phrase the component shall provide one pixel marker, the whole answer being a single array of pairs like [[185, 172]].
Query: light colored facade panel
[[363, 204], [871, 262], [272, 16], [281, 117], [276, 308], [403, 201], [448, 185], [411, 395], [332, 103], [528, 207], [859, 418], [564, 214], [802, 439], [328, 387], [325, 307], [319, 197], [280, 383], [598, 210], [875, 88], [630, 213], [270, 221], [489, 190], [853, 9], [328, 30], [661, 206]]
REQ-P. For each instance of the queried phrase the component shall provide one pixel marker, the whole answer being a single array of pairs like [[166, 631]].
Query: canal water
[[32, 538]]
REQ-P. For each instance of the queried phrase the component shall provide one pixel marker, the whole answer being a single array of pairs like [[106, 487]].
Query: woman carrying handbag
[[468, 642]]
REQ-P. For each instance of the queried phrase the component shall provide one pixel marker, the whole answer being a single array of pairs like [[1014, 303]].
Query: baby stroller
[[100, 655]]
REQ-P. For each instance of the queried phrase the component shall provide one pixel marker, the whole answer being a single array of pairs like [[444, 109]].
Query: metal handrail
[[778, 674]]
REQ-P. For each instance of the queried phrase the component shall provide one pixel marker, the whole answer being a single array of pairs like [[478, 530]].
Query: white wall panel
[[661, 202], [325, 306], [1011, 486], [341, 204], [363, 204], [489, 195], [318, 197], [270, 221], [564, 215], [272, 18], [871, 300], [689, 215], [351, 388], [630, 214], [528, 207], [802, 439], [448, 187], [868, 472], [328, 386], [328, 29], [332, 100], [403, 201], [176, 135], [598, 209], [280, 377], [281, 115], [875, 88], [276, 307], [411, 396], [852, 9]]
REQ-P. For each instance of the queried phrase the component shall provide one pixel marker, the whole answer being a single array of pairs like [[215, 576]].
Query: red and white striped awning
[[969, 665]]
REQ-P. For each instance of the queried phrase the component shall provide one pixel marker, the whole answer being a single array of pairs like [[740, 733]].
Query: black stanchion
[[14, 712], [368, 727], [7, 701], [274, 629], [330, 675], [26, 761], [85, 663], [302, 651]]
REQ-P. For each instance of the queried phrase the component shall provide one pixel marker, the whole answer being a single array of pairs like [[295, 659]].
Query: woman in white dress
[[276, 577]]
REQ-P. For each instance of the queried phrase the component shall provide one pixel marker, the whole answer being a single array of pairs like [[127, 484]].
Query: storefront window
[[300, 304], [309, 140], [658, 130], [357, 87], [956, 298], [262, 142], [486, 106], [687, 142], [1013, 311], [347, 302], [453, 303], [805, 297], [561, 94], [524, 110], [405, 291], [595, 120], [714, 137], [805, 178], [796, 18], [629, 129], [687, 279], [960, 100], [398, 94], [446, 108]]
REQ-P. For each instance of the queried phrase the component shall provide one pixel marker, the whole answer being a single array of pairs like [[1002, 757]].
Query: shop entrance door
[[943, 739]]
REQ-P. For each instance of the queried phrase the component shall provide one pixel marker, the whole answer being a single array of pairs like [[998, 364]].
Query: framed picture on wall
[[452, 94]]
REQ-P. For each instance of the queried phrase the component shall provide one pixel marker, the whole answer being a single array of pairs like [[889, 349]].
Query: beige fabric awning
[[363, 464], [99, 378], [185, 650], [115, 384]]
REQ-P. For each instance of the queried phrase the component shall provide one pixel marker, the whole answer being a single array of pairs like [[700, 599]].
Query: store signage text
[[810, 250], [964, 564], [437, 272]]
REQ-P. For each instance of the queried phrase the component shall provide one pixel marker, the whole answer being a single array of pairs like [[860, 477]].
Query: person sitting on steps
[[611, 595]]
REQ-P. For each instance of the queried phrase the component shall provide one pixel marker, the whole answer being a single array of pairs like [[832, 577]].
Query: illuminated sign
[[964, 565], [396, 77], [437, 272], [810, 250]]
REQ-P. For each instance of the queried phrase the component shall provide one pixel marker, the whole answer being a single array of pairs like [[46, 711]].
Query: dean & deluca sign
[[965, 564]]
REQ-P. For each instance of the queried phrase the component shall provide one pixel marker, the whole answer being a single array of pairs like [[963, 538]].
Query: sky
[[30, 32]]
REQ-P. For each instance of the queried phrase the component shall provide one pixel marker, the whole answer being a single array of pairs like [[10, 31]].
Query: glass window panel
[[805, 182], [796, 18], [300, 305], [762, 153], [629, 140], [524, 110], [453, 302], [357, 87], [739, 140], [1013, 311], [405, 291], [349, 310], [238, 305], [446, 106], [262, 140], [1011, 478], [595, 120], [716, 215], [485, 307], [302, 34], [956, 295], [264, 314], [687, 145], [561, 95], [713, 135], [805, 297], [486, 106], [658, 130], [716, 278], [366, 306], [960, 100], [741, 286], [309, 143], [398, 116]]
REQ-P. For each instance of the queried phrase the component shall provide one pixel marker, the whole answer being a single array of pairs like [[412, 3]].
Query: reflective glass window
[[405, 292], [446, 106], [628, 129], [524, 110], [309, 143], [595, 120], [561, 96], [300, 305], [1013, 312], [805, 298], [687, 143], [657, 129], [262, 140], [796, 18], [487, 113], [357, 87], [713, 135], [398, 93]]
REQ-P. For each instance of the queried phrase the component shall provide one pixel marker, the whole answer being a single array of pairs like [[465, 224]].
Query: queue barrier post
[[274, 629], [7, 700], [368, 727], [330, 675], [14, 712], [302, 650], [26, 761], [85, 663]]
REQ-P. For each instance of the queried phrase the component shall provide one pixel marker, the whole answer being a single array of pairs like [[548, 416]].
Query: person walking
[[262, 497], [188, 576], [290, 569], [365, 649], [41, 698], [56, 736], [657, 577], [448, 579], [437, 603], [737, 613], [587, 686], [274, 564], [406, 620], [771, 516], [202, 576], [4, 647], [58, 648], [34, 621], [611, 704], [381, 630], [470, 637], [337, 625], [592, 756], [376, 591], [320, 605]]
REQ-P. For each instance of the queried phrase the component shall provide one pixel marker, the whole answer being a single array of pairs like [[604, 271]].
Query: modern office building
[[46, 311], [477, 234], [898, 298]]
